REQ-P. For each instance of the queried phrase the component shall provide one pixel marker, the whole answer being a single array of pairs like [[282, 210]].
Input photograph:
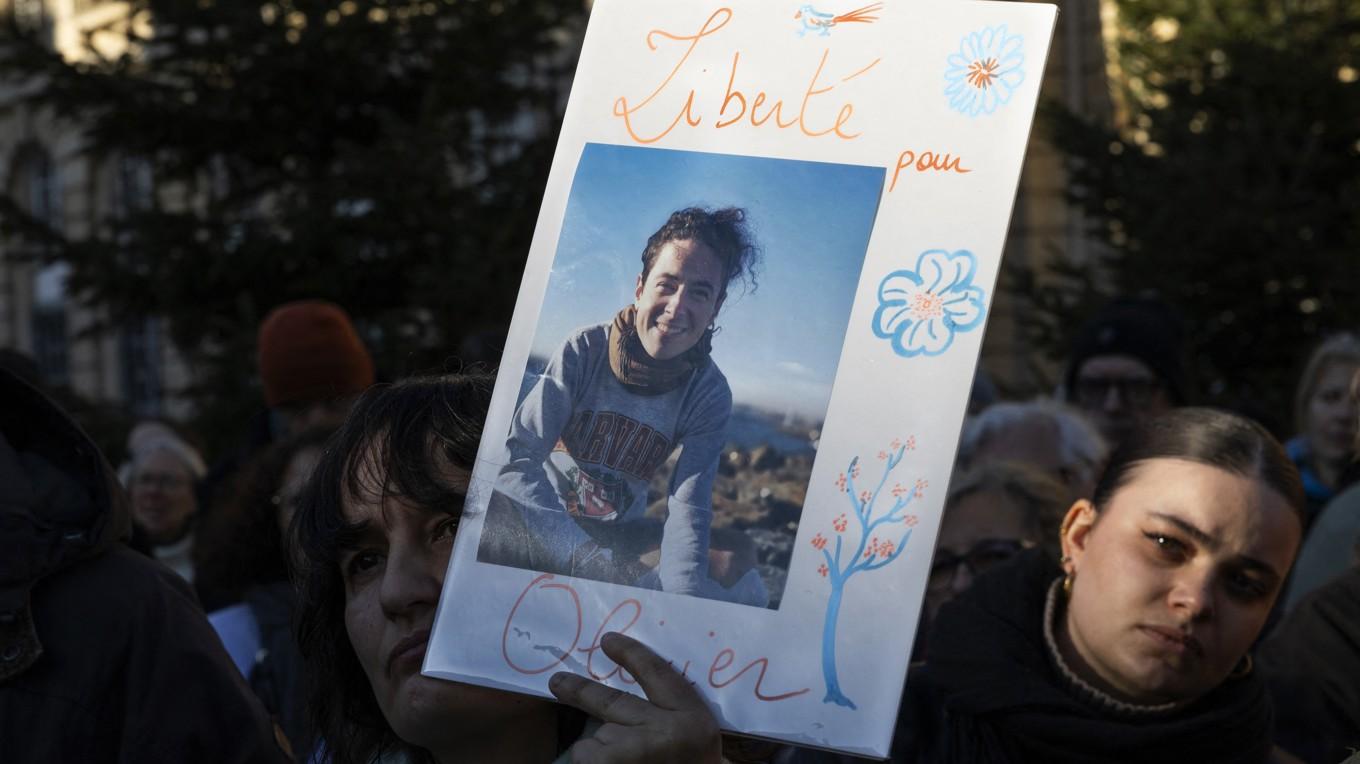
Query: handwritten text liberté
[[739, 104]]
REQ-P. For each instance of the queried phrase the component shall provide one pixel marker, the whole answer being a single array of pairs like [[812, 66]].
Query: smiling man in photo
[[614, 403]]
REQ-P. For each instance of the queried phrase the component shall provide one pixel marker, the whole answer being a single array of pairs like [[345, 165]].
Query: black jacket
[[105, 655], [1312, 665], [989, 692]]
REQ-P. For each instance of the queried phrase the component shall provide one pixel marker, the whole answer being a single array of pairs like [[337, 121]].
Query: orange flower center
[[927, 305], [981, 73]]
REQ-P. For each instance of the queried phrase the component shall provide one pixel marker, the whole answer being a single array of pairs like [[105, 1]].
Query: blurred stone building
[[1043, 224], [45, 171]]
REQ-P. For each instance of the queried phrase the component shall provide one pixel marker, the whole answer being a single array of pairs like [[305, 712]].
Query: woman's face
[[1174, 582], [1330, 418], [163, 497], [977, 531], [678, 298], [393, 574]]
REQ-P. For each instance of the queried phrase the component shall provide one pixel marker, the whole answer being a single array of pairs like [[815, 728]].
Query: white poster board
[[874, 151]]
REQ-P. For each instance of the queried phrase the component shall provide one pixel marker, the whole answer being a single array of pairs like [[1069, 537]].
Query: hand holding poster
[[739, 362]]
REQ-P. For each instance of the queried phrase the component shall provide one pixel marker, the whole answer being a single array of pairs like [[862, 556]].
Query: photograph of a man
[[614, 458], [611, 407]]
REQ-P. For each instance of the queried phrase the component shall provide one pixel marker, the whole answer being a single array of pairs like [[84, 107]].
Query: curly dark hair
[[725, 231], [240, 544], [412, 427]]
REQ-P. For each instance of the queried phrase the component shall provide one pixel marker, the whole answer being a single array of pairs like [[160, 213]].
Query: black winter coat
[[105, 655], [989, 692]]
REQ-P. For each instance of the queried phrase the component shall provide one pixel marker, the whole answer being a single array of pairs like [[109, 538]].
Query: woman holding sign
[[612, 406], [1134, 648], [374, 532]]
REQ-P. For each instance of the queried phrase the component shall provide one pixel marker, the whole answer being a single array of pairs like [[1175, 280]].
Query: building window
[[50, 348], [38, 186], [133, 186], [142, 340], [141, 361]]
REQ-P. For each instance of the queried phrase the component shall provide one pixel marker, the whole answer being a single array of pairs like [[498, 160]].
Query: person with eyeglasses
[[161, 481], [992, 512], [1127, 365]]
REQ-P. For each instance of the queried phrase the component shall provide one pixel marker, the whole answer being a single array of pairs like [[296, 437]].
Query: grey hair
[[1081, 448], [175, 446], [1040, 497]]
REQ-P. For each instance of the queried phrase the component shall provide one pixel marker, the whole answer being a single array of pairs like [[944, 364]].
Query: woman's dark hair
[[409, 428], [241, 545], [724, 231], [1208, 436]]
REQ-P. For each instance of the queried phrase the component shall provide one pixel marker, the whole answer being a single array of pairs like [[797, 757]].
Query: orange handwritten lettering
[[620, 620], [505, 633], [727, 657], [849, 77], [926, 161], [813, 90], [713, 24], [740, 102], [604, 626], [727, 99]]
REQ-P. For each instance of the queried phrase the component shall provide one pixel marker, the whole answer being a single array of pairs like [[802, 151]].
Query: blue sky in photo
[[780, 344]]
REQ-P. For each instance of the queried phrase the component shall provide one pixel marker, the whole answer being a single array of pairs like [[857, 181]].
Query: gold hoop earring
[[1242, 668], [1067, 585]]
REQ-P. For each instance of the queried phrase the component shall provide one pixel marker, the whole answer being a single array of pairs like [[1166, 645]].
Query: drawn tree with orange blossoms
[[873, 548]]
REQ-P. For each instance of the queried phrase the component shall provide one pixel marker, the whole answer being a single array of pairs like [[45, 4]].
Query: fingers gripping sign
[[672, 724]]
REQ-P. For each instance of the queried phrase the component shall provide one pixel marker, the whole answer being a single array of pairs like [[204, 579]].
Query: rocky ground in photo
[[759, 491]]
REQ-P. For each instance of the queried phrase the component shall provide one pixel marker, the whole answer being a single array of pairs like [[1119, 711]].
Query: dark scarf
[[642, 374], [990, 692]]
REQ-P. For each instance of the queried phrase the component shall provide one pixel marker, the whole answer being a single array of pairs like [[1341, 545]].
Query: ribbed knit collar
[[1054, 608]]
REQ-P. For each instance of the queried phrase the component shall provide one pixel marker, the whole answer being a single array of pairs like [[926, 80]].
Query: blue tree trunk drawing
[[870, 552], [833, 613]]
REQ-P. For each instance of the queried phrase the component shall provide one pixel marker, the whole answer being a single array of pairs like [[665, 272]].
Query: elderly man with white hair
[[1051, 436], [161, 478]]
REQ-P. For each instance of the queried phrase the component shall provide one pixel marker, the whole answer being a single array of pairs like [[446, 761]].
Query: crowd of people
[[1118, 576]]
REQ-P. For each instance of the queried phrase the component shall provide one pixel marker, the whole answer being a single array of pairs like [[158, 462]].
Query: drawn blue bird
[[812, 18]]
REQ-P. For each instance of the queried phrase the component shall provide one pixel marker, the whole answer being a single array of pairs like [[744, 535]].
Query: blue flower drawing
[[920, 311], [985, 72]]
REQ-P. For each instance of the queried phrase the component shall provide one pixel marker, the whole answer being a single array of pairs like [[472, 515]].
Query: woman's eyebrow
[[1212, 543], [450, 501], [1189, 529], [1265, 569], [350, 535]]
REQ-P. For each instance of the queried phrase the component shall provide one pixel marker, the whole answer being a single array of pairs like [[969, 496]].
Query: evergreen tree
[[1231, 187], [385, 154]]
